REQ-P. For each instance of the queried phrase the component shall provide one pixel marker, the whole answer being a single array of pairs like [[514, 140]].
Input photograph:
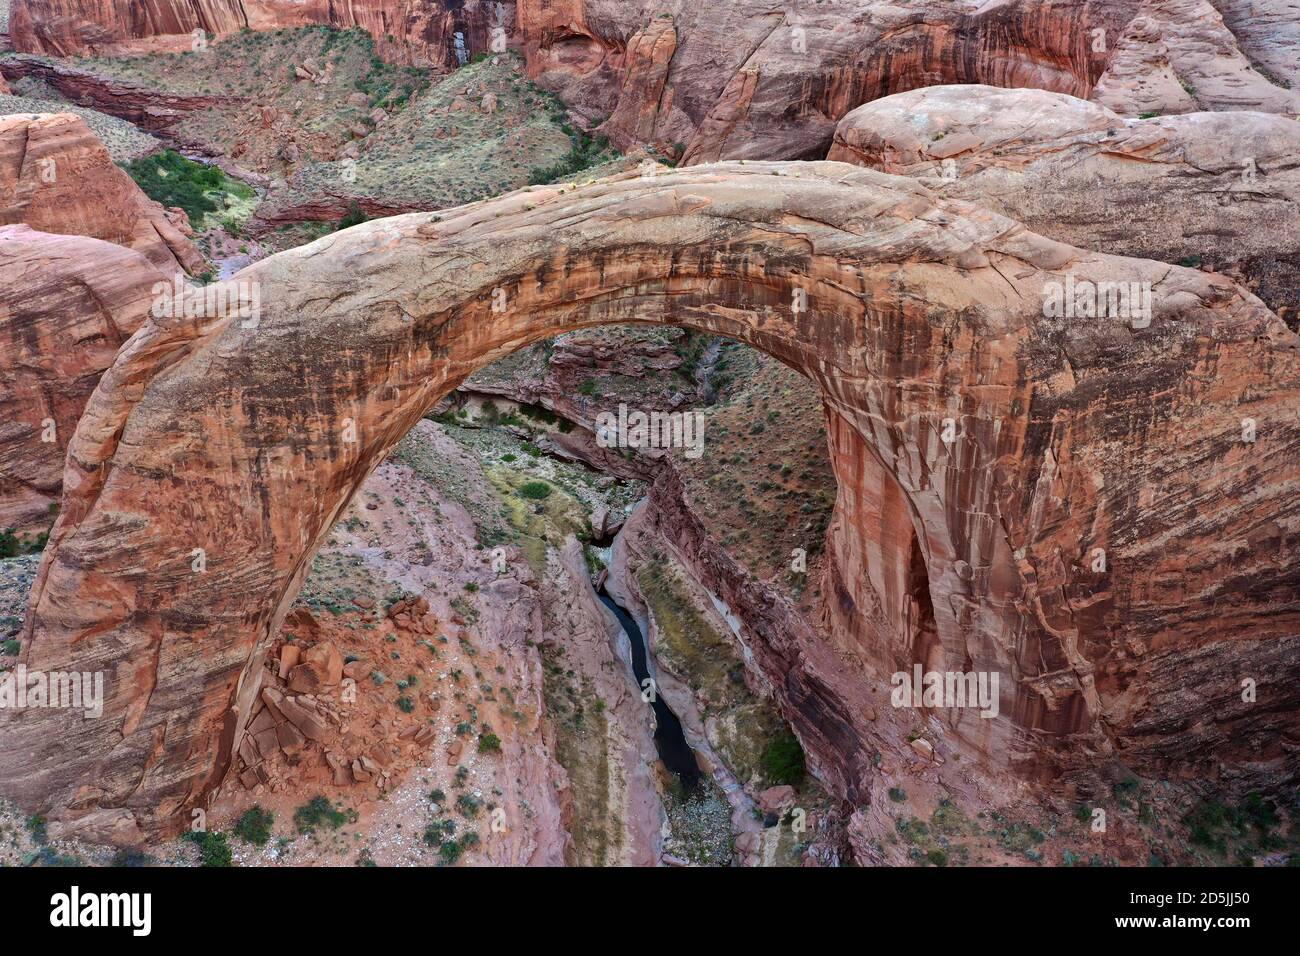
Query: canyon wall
[[416, 31], [756, 80], [752, 79], [1018, 443], [82, 250]]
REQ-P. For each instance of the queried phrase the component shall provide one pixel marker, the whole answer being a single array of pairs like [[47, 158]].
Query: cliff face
[[1179, 56], [56, 176], [72, 27], [416, 31], [749, 79], [1019, 443], [67, 303]]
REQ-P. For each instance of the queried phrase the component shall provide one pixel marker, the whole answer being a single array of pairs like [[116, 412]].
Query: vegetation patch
[[318, 812], [254, 826], [199, 189]]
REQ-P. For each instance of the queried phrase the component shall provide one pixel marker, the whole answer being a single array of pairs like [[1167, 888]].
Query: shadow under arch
[[920, 320]]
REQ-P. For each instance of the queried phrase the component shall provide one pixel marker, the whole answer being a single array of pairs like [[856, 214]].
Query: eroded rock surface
[[761, 80], [751, 79], [56, 176], [1179, 56], [1220, 190], [414, 30], [1017, 444], [67, 303], [757, 80]]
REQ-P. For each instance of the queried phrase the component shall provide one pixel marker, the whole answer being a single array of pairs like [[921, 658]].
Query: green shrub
[[254, 826], [489, 743], [318, 811], [11, 545], [468, 806], [353, 217], [536, 490], [171, 179], [439, 832], [451, 852], [584, 153], [783, 760], [214, 848]]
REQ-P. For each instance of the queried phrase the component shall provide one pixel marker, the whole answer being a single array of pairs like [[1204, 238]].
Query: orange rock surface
[[67, 303], [56, 176], [986, 450]]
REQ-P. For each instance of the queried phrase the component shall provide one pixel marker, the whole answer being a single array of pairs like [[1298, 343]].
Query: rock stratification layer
[[1101, 511], [425, 31], [56, 176], [1214, 189], [67, 303], [752, 79]]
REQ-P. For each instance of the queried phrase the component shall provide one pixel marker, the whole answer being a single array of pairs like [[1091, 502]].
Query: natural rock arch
[[1069, 436]]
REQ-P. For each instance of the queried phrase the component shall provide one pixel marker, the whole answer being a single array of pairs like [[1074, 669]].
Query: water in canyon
[[670, 741]]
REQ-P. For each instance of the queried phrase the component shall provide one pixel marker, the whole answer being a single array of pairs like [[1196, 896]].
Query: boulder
[[321, 667], [56, 176]]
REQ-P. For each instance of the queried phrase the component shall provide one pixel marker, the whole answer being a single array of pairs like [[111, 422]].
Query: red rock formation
[[765, 81], [1189, 188], [147, 108], [1178, 56], [1017, 442], [753, 79], [421, 31], [67, 303], [72, 27], [761, 80], [56, 176]]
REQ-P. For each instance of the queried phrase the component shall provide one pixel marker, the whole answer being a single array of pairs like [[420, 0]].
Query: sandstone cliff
[[753, 79], [420, 31], [67, 303], [1220, 190], [56, 176]]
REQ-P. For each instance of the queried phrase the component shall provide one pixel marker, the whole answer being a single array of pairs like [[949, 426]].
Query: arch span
[[972, 436]]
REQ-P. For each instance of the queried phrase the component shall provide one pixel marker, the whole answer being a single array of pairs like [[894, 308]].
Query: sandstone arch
[[209, 434]]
